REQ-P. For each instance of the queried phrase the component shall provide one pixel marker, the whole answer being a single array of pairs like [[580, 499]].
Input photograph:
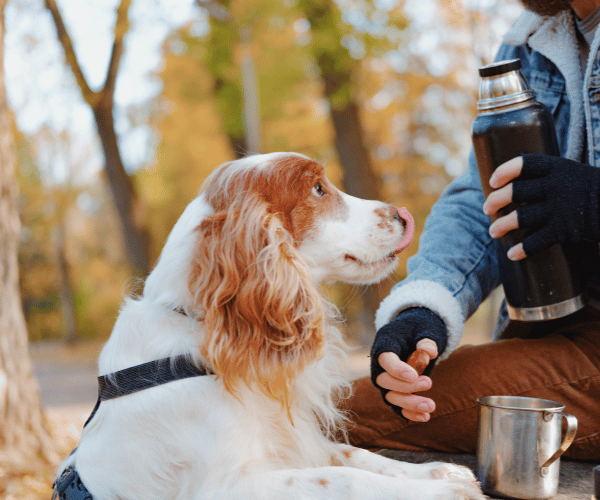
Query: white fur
[[353, 234], [192, 440]]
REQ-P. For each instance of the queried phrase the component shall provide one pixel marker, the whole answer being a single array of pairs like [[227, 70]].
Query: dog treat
[[419, 360]]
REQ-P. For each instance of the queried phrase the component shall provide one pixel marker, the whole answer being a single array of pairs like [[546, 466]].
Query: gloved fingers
[[516, 252], [498, 199], [416, 416], [396, 368], [410, 402], [429, 346], [386, 381], [536, 166], [528, 191], [533, 215], [504, 224], [539, 241], [506, 172]]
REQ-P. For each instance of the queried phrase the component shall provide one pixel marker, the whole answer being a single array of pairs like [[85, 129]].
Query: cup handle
[[568, 439]]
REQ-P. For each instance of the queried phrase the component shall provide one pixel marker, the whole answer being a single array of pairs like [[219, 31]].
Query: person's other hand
[[561, 202], [394, 343]]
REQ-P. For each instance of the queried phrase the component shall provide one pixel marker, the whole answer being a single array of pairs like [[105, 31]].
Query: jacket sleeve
[[456, 266]]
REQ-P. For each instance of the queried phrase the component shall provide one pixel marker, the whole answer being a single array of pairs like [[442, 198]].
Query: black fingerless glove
[[562, 201], [401, 335]]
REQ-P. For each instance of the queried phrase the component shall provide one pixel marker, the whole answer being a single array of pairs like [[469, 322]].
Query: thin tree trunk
[[129, 206], [67, 294], [23, 433], [126, 200]]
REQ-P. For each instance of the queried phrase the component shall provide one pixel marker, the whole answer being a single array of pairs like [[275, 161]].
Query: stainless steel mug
[[519, 446]]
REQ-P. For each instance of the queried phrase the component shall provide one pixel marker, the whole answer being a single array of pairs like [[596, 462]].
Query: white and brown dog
[[236, 290]]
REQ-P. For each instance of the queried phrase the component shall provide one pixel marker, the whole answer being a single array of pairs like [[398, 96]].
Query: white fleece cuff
[[423, 293]]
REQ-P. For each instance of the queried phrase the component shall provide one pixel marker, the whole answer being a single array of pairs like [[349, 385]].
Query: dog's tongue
[[409, 231]]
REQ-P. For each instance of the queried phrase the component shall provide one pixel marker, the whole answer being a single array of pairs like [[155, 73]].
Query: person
[[456, 268]]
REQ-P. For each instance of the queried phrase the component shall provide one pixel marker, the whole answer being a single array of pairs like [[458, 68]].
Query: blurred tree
[[193, 138], [337, 68], [227, 83], [24, 436], [129, 205], [71, 283], [39, 280]]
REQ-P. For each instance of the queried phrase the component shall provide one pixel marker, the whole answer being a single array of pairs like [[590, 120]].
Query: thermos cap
[[498, 68], [502, 86]]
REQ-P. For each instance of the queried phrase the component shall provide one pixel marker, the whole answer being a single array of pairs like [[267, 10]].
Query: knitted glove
[[561, 199], [401, 335]]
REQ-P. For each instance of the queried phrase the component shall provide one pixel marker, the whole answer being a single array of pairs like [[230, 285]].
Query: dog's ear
[[263, 316]]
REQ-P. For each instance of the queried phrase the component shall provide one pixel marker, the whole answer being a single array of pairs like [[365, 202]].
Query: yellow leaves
[[153, 187], [192, 145]]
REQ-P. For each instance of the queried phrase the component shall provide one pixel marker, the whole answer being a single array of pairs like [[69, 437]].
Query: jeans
[[557, 360]]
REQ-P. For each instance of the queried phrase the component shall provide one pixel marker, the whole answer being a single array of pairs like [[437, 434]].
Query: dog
[[236, 293]]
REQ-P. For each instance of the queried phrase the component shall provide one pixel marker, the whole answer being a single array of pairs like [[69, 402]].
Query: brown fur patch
[[386, 215], [263, 316]]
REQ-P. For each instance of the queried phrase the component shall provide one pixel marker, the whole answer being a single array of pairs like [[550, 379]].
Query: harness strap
[[144, 376], [140, 377]]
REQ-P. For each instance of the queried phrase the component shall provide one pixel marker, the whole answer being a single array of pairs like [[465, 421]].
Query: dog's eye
[[318, 190]]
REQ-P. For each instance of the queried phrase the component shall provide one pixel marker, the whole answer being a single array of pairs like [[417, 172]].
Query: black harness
[[114, 385]]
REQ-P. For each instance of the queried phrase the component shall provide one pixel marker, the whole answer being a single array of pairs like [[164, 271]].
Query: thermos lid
[[498, 68], [502, 86]]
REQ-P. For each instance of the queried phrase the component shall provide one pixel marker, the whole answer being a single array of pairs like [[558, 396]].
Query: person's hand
[[562, 202], [398, 382], [402, 382]]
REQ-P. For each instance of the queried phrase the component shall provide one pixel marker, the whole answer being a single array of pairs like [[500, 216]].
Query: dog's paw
[[452, 489], [467, 490], [452, 471]]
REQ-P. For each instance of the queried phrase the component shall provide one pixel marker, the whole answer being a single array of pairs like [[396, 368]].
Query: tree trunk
[[360, 179], [23, 432], [67, 294], [129, 206], [126, 200]]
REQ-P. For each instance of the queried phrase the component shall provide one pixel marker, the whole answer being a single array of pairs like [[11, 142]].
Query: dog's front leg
[[344, 483], [363, 459]]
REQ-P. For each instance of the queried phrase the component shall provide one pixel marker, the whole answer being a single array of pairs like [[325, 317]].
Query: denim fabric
[[455, 249]]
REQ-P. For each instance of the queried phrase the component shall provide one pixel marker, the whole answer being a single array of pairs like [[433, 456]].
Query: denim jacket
[[456, 267]]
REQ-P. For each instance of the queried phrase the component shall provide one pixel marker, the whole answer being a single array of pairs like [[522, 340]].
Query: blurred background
[[120, 108]]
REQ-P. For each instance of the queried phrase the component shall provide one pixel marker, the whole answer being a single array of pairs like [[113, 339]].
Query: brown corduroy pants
[[558, 360]]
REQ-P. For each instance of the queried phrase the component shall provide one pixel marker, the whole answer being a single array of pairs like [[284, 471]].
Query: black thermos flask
[[511, 121]]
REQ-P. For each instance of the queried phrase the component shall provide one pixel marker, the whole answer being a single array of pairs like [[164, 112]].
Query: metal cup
[[519, 446]]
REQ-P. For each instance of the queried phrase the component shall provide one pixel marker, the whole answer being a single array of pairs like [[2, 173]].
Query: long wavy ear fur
[[263, 316]]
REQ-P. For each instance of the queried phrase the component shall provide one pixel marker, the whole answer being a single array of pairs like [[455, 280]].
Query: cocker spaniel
[[221, 381]]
